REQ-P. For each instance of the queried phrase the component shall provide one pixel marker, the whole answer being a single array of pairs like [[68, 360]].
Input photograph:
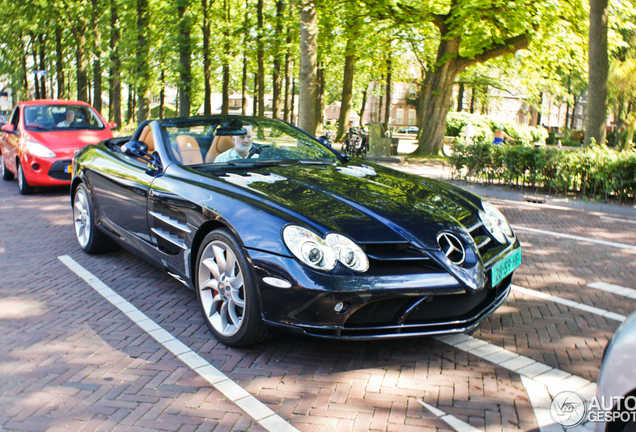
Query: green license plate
[[506, 266]]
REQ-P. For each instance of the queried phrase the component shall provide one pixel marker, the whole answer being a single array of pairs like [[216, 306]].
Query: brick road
[[72, 361]]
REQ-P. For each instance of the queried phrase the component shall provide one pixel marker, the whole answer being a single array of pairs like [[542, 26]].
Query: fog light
[[341, 307], [35, 166]]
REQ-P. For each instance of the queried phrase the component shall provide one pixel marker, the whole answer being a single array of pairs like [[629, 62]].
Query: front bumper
[[370, 307], [43, 172]]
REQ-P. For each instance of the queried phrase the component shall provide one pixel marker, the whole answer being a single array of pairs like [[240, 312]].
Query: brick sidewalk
[[71, 361]]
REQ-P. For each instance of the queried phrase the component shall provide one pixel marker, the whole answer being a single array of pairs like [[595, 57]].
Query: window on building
[[399, 116], [333, 109], [412, 92], [579, 110], [411, 117], [577, 124], [399, 90]]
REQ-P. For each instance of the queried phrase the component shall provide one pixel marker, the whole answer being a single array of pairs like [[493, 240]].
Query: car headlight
[[324, 254], [348, 252], [36, 149], [495, 222]]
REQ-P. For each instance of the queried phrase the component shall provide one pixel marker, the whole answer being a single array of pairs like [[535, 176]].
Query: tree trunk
[[184, 49], [292, 118], [36, 80], [255, 104], [540, 108], [80, 60], [261, 61], [162, 95], [244, 86], [207, 64], [387, 105], [308, 72], [225, 92], [288, 74], [347, 91], [97, 62], [598, 69], [460, 98], [115, 64], [59, 62], [364, 104], [130, 105], [276, 75], [143, 69], [320, 114], [472, 100], [42, 46]]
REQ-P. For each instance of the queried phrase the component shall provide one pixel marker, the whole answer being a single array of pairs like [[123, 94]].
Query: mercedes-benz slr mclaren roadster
[[277, 232]]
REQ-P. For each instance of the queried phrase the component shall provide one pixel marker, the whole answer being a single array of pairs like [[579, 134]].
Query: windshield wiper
[[262, 162]]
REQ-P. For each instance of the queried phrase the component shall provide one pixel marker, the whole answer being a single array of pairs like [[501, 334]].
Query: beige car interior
[[188, 150], [146, 137]]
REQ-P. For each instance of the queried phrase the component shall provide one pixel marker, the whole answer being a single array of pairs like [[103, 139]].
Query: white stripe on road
[[235, 393], [618, 220], [450, 420], [614, 289], [570, 303], [573, 237]]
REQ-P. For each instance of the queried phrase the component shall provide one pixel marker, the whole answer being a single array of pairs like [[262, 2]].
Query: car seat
[[188, 150], [146, 137], [220, 145]]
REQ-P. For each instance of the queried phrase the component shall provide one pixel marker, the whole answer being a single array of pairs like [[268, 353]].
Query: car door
[[120, 190], [11, 141]]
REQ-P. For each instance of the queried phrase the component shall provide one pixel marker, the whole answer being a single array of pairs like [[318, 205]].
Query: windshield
[[236, 140], [61, 117]]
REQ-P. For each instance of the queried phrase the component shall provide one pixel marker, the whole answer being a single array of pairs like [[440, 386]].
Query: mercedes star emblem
[[452, 248]]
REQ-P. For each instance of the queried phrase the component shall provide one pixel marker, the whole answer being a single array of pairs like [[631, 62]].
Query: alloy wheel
[[222, 288], [82, 218]]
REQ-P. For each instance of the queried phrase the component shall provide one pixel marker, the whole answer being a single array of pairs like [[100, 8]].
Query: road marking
[[235, 393], [568, 236], [618, 220], [450, 420], [572, 304], [614, 289]]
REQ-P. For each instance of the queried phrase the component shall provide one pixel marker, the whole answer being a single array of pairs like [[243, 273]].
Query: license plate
[[506, 266], [68, 169]]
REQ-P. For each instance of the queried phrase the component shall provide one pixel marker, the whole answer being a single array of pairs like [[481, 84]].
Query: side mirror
[[8, 128], [324, 141], [111, 125], [135, 148]]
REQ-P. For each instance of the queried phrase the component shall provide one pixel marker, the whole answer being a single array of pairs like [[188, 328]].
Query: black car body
[[318, 244]]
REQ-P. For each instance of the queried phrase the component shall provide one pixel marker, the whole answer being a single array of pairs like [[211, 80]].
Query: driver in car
[[242, 147], [68, 120]]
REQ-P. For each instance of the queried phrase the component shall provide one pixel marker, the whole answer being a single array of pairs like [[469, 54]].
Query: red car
[[38, 143]]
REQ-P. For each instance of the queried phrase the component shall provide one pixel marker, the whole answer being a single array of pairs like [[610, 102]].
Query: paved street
[[73, 361]]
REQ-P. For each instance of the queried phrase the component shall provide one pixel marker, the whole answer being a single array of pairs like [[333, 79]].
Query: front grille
[[57, 170], [398, 258], [487, 246]]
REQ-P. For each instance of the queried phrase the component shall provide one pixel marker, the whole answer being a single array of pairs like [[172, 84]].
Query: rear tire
[[89, 237], [23, 185], [6, 174], [226, 289]]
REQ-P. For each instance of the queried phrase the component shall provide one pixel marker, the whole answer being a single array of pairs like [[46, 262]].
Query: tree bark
[[42, 46], [288, 73], [80, 61], [59, 62], [347, 91], [598, 70], [115, 64], [143, 51], [292, 119], [276, 75], [387, 105], [97, 61], [162, 95], [244, 86], [460, 98], [260, 59], [36, 80], [320, 114], [364, 104], [207, 64], [308, 73], [184, 49], [225, 93]]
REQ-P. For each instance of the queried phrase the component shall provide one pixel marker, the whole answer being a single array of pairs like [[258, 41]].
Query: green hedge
[[485, 127], [594, 172]]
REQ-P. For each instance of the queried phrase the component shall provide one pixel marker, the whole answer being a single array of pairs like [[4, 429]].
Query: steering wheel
[[256, 149]]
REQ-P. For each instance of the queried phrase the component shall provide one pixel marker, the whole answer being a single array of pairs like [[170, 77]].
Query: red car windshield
[[61, 117]]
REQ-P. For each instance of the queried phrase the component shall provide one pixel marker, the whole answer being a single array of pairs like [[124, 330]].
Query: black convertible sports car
[[277, 232]]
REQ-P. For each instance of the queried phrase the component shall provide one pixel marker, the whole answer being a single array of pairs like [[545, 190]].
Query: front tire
[[90, 239], [23, 185], [226, 290], [6, 174]]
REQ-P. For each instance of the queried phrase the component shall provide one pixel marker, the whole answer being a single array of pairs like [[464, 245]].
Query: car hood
[[368, 202], [70, 140]]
